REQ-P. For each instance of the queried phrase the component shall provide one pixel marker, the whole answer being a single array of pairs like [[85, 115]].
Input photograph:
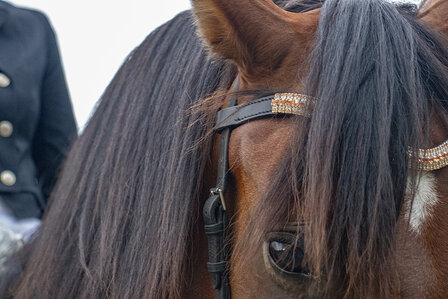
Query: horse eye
[[287, 257]]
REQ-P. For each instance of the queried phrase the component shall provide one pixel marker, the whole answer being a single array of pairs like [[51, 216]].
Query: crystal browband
[[434, 158], [294, 103]]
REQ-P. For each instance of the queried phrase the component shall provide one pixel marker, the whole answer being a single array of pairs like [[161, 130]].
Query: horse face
[[270, 47], [257, 148], [256, 151]]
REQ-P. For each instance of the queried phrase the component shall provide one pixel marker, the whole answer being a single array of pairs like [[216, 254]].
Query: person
[[37, 123]]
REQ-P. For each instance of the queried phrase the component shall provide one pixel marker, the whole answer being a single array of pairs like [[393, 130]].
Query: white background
[[95, 37]]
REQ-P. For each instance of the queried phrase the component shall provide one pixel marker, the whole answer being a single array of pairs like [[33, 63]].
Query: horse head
[[329, 155], [337, 205]]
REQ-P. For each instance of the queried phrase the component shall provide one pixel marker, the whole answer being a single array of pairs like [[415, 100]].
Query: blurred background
[[96, 36]]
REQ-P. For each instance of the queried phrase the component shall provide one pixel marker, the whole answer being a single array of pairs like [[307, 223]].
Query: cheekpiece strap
[[215, 216]]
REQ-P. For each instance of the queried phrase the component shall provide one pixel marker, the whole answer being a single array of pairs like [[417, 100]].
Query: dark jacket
[[36, 118]]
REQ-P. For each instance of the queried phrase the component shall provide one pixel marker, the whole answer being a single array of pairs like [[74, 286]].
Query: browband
[[237, 115], [279, 103], [293, 103]]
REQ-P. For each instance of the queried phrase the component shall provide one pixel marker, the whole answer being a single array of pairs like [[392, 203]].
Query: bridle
[[215, 209], [215, 217]]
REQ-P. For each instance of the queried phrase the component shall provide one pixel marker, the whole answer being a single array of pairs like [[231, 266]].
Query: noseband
[[215, 209]]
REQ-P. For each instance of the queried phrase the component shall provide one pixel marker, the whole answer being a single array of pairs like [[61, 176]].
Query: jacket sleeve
[[56, 129]]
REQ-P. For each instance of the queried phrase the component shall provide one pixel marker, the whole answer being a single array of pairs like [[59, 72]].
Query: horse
[[323, 125]]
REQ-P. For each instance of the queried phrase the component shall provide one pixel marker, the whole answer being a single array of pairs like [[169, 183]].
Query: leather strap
[[215, 217], [237, 115]]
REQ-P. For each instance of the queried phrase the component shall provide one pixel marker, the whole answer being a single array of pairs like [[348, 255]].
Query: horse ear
[[256, 35], [435, 13]]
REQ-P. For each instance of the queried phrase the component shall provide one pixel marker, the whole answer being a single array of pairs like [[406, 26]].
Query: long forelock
[[363, 94]]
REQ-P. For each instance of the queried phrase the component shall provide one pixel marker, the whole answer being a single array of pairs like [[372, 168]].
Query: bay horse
[[336, 187]]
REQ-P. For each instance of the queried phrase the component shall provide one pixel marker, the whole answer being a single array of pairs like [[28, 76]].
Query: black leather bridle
[[215, 210], [215, 217]]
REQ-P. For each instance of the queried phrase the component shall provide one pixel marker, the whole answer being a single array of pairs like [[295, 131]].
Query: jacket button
[[8, 178], [6, 128], [4, 80]]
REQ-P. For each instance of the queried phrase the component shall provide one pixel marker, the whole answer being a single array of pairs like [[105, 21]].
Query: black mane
[[123, 211]]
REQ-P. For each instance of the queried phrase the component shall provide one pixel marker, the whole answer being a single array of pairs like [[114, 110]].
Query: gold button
[[6, 128], [8, 178], [4, 80]]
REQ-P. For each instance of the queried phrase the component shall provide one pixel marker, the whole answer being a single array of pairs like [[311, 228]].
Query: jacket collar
[[4, 13]]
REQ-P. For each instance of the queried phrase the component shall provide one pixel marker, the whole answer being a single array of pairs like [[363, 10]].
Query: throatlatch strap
[[215, 217]]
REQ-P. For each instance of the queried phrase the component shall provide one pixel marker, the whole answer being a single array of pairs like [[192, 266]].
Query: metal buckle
[[220, 192]]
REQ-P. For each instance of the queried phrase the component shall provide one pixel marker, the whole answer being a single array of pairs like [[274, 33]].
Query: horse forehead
[[257, 149]]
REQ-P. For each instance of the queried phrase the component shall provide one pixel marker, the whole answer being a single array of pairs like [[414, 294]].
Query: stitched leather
[[214, 228], [214, 219], [216, 267]]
